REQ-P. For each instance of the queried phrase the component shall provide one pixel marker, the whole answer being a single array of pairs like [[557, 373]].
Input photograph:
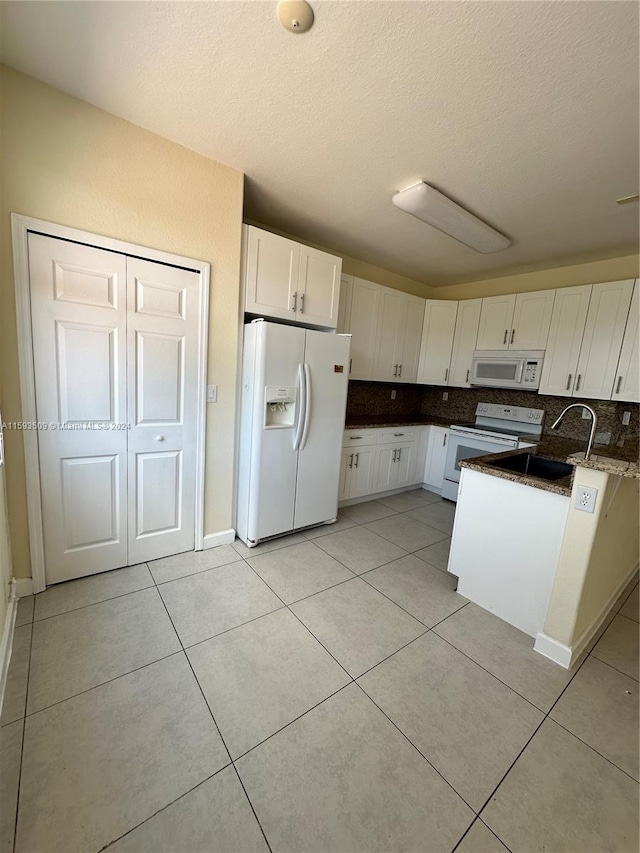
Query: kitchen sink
[[534, 466]]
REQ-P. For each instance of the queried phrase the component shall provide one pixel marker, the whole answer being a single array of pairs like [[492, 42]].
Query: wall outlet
[[586, 416], [212, 393], [585, 498], [393, 394], [445, 395], [602, 438], [626, 418]]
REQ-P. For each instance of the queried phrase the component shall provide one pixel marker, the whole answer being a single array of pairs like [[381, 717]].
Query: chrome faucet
[[594, 424]]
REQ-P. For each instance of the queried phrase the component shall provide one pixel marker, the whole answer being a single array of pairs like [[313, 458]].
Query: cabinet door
[[318, 288], [602, 341], [344, 482], [411, 337], [437, 341], [271, 274], [464, 341], [388, 348], [362, 471], [344, 306], [436, 456], [385, 468], [565, 338], [363, 325], [627, 383], [531, 320], [495, 322], [404, 465]]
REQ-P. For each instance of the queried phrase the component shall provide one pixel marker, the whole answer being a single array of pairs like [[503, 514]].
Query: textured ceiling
[[525, 112]]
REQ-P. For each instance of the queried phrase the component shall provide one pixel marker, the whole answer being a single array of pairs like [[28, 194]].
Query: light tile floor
[[328, 691]]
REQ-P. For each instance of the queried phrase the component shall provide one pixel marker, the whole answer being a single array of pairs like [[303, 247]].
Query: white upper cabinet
[[516, 321], [414, 308], [565, 339], [318, 288], [464, 341], [437, 341], [531, 320], [495, 322], [344, 306], [627, 382], [271, 273], [602, 341], [388, 350], [362, 324], [286, 280]]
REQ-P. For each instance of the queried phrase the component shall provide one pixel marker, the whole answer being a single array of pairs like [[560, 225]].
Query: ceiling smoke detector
[[295, 15]]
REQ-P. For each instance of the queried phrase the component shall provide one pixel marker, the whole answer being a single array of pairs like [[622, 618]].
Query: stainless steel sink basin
[[534, 466]]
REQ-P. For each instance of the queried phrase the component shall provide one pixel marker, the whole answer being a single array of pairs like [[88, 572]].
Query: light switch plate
[[393, 394], [586, 498], [212, 393]]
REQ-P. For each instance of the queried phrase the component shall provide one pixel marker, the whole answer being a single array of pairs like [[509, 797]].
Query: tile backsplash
[[374, 398]]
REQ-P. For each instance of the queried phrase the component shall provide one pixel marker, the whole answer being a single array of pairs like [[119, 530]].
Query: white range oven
[[495, 428]]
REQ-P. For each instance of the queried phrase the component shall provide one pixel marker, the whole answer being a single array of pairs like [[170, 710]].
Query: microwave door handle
[[521, 370]]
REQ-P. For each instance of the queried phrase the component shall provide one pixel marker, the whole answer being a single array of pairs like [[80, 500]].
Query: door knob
[[159, 438]]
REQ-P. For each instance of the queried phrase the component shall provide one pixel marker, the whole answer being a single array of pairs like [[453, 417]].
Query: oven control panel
[[519, 414]]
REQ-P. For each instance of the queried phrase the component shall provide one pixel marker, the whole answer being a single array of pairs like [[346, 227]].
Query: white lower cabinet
[[436, 457], [381, 460]]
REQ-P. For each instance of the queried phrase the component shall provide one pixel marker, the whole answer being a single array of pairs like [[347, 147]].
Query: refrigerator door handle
[[307, 405], [302, 398]]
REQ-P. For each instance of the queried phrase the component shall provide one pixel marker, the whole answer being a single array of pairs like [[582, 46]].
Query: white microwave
[[507, 369]]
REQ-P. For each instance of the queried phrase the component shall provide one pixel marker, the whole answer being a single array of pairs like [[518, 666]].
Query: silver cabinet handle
[[355, 438], [569, 381], [355, 464], [578, 382], [351, 460], [398, 434], [295, 300], [467, 379], [395, 369], [395, 453], [400, 371], [619, 384], [506, 335], [302, 303], [350, 364], [513, 334], [444, 440], [399, 453], [446, 374]]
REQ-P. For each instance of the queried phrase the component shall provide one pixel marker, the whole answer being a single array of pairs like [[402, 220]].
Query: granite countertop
[[378, 421], [622, 461]]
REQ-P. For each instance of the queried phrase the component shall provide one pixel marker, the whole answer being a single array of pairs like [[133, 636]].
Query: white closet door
[[78, 305], [162, 387]]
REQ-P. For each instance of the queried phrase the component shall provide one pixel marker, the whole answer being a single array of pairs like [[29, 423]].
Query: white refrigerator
[[293, 402]]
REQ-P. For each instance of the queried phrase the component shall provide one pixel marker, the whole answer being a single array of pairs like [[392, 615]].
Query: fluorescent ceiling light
[[434, 208]]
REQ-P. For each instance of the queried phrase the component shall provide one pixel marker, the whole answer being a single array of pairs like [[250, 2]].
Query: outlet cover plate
[[586, 497], [212, 393]]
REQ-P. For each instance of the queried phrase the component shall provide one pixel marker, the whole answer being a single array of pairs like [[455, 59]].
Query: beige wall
[[613, 269], [67, 162], [599, 552], [352, 266]]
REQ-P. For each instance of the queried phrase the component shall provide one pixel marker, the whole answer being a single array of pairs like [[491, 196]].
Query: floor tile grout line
[[470, 827], [577, 737], [444, 535], [101, 684], [493, 675], [535, 732], [24, 730], [628, 618], [198, 572], [215, 722], [233, 628], [161, 809], [591, 655], [506, 846], [408, 739], [94, 603]]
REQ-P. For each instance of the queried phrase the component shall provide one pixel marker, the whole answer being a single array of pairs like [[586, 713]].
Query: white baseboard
[[224, 537], [6, 644], [565, 655], [22, 587]]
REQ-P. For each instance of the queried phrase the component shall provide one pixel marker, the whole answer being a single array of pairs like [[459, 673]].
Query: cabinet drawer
[[358, 437], [399, 435]]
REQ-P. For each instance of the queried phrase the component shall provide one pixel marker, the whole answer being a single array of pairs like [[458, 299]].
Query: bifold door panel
[[115, 360]]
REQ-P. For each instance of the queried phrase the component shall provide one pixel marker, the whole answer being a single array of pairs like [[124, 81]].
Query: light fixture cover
[[431, 206]]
